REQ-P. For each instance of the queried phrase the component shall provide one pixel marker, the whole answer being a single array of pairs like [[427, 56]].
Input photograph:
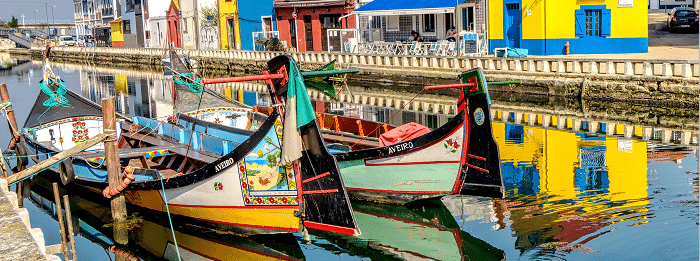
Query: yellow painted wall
[[116, 31], [120, 83], [557, 169], [226, 10], [627, 170], [626, 22]]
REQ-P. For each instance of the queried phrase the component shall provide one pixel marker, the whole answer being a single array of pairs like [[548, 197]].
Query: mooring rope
[[167, 209], [56, 98], [128, 175], [511, 89], [191, 80]]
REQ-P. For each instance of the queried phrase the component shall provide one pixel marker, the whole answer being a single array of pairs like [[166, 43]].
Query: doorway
[[329, 22], [308, 32], [231, 33], [513, 23]]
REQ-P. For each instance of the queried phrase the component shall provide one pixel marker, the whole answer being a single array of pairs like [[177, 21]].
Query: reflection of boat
[[423, 230], [213, 186], [458, 157], [150, 238]]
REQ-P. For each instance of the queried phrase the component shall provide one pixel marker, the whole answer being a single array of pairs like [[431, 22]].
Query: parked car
[[66, 41], [682, 17]]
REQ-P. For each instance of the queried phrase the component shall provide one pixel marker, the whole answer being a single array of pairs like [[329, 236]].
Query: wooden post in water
[[113, 168], [61, 223], [69, 226], [5, 97]]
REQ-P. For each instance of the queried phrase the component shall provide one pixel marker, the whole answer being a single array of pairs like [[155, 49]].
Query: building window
[[428, 25], [129, 5], [592, 20], [184, 25], [376, 22], [392, 23], [127, 27]]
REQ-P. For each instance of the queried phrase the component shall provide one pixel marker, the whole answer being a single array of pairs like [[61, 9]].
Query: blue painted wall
[[253, 10]]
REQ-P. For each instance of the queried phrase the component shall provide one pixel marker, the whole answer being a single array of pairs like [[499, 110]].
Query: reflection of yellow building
[[557, 155], [120, 83], [229, 24]]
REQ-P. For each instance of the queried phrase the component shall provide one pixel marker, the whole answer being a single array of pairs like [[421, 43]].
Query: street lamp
[[46, 7], [35, 18], [53, 19]]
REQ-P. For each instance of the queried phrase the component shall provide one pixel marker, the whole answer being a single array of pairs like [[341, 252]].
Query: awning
[[406, 7], [306, 3], [118, 20]]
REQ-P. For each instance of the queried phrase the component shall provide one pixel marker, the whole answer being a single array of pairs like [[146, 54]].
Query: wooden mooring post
[[69, 227], [117, 202], [5, 98], [61, 222]]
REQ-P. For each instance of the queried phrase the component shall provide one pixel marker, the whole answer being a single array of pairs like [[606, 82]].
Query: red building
[[173, 18], [303, 24]]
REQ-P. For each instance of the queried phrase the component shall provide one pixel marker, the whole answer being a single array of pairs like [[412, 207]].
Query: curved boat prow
[[480, 163], [325, 202]]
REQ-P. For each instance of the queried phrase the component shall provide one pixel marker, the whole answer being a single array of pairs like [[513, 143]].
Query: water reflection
[[424, 230], [571, 195]]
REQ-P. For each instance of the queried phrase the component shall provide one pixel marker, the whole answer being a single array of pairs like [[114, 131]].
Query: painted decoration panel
[[263, 180], [67, 133], [234, 117]]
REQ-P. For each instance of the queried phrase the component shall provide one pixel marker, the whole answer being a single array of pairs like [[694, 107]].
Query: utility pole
[[196, 25], [35, 18]]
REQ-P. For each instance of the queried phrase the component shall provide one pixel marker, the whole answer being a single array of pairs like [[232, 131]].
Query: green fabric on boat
[[296, 88], [321, 86]]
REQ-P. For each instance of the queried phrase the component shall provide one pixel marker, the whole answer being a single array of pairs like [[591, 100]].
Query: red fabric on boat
[[404, 132]]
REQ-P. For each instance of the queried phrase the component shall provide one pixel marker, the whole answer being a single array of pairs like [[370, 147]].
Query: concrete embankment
[[19, 240], [657, 82]]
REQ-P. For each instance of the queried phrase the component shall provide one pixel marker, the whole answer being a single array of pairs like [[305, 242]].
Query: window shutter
[[605, 23], [580, 23]]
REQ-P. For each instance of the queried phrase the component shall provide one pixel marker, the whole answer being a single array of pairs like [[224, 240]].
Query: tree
[[13, 23]]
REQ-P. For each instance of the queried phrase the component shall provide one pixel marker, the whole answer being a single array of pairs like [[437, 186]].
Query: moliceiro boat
[[460, 157], [241, 185]]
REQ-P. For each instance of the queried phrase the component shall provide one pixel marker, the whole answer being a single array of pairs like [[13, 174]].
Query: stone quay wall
[[654, 82]]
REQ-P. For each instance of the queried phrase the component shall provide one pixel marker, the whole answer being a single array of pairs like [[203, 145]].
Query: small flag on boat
[[298, 112]]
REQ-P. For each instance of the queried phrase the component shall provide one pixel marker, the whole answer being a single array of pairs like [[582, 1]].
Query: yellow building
[[544, 27], [116, 32], [229, 24]]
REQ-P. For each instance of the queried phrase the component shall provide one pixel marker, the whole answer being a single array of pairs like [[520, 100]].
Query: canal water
[[570, 195]]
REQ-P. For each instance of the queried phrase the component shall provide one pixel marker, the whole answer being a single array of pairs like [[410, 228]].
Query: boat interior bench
[[206, 137]]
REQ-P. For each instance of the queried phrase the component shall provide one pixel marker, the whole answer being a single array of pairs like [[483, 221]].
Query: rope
[[191, 80], [387, 120], [128, 175], [165, 199], [516, 86], [55, 98]]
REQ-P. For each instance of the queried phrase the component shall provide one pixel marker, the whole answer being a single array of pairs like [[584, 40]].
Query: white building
[[191, 23], [92, 18]]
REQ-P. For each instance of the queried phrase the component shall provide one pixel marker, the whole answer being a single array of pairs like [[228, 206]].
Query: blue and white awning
[[406, 7]]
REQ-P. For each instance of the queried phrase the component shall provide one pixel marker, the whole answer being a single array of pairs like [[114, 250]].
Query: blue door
[[513, 22]]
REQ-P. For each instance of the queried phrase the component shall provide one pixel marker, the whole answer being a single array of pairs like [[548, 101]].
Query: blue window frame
[[592, 20]]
